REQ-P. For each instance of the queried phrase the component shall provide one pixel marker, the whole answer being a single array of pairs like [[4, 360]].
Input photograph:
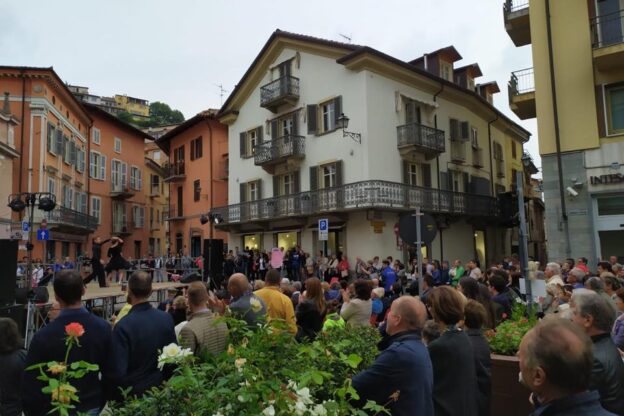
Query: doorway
[[196, 246], [609, 221], [479, 244]]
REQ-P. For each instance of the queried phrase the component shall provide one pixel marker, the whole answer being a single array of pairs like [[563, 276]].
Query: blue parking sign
[[323, 229], [25, 227]]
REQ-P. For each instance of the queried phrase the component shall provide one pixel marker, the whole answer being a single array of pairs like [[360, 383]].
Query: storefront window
[[287, 240], [613, 205], [252, 241]]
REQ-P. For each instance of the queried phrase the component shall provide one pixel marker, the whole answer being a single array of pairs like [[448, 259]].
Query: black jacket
[[454, 374], [483, 367], [608, 374], [12, 365], [581, 404]]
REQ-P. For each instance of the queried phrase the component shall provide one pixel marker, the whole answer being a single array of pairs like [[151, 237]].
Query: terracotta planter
[[509, 397]]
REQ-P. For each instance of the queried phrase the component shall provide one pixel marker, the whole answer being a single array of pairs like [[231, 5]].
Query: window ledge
[[326, 132]]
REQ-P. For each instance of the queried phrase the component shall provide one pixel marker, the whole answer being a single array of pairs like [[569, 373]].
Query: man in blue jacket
[[138, 337], [388, 276], [48, 344], [401, 378]]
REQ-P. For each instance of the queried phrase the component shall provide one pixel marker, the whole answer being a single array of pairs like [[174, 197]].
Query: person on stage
[[116, 264], [97, 264]]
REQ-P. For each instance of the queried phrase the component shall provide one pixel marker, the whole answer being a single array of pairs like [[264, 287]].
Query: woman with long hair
[[12, 363], [311, 310], [474, 290]]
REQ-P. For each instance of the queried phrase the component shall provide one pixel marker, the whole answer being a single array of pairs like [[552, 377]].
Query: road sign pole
[[419, 249]]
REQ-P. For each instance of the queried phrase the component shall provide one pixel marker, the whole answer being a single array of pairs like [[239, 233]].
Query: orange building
[[197, 177], [52, 140], [117, 197]]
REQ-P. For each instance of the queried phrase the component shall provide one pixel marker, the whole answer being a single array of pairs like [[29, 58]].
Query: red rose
[[74, 330]]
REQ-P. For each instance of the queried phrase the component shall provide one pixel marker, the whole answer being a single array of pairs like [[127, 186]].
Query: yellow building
[[8, 154], [576, 91], [157, 197], [134, 106]]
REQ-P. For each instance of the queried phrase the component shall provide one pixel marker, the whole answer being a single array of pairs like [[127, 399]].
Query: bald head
[[238, 284], [408, 314]]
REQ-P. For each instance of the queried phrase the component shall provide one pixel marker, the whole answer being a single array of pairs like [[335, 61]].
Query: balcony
[[154, 226], [154, 191], [284, 90], [500, 168], [477, 157], [175, 172], [517, 22], [121, 227], [458, 150], [67, 220], [416, 138], [175, 212], [521, 90], [286, 149], [120, 190], [608, 40], [358, 196]]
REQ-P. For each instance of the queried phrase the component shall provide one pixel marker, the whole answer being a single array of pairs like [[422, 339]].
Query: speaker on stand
[[213, 262]]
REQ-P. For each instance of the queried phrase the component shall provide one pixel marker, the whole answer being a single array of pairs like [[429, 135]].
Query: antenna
[[347, 38], [222, 91]]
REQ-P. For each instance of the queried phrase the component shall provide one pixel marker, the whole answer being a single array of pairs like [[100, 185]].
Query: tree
[[161, 114]]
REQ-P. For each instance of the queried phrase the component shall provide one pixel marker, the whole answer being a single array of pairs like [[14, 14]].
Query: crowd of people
[[432, 349]]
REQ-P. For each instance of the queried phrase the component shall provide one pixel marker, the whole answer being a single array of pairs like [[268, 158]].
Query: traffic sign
[[43, 234], [25, 227], [323, 229], [407, 228]]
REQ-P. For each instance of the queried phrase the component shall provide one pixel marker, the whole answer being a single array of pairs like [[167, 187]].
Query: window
[[249, 140], [52, 185], [412, 174], [95, 135], [138, 215], [196, 148], [471, 84], [460, 130], [96, 208], [323, 118], [67, 197], [514, 150], [136, 178], [446, 71], [66, 150], [117, 145], [119, 172], [615, 108], [51, 139], [412, 112], [328, 175], [156, 155], [80, 162], [253, 191], [97, 166], [81, 202], [196, 190], [474, 139], [154, 185]]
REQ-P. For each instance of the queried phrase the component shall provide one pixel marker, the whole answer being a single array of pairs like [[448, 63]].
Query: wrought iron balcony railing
[[511, 6], [175, 171], [425, 137], [360, 195], [607, 29], [121, 226], [521, 82], [477, 157], [458, 150], [278, 149], [500, 168], [62, 216], [285, 87], [174, 211]]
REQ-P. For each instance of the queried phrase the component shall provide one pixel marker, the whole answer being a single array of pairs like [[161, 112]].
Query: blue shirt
[[388, 277]]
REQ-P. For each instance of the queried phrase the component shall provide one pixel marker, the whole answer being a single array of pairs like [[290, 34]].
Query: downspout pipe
[[553, 90], [435, 124], [490, 151], [21, 159]]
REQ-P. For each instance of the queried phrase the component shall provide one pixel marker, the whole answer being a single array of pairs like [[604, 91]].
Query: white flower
[[304, 395], [239, 363], [269, 411], [218, 414], [241, 399], [319, 410], [255, 304], [172, 350], [300, 408]]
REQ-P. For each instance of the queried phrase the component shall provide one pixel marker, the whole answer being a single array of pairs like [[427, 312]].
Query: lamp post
[[343, 123]]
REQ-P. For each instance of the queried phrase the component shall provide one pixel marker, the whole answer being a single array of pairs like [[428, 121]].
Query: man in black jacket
[[138, 337], [97, 268], [48, 344], [595, 316]]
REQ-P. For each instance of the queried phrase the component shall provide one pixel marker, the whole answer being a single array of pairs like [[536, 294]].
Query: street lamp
[[343, 123]]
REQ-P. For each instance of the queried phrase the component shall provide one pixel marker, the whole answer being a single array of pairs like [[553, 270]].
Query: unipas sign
[[610, 179]]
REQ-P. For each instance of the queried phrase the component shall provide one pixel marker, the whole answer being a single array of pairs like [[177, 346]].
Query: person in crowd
[[202, 334], [499, 289], [427, 285], [403, 367], [54, 311], [581, 263], [322, 264], [361, 268], [445, 277], [474, 317], [576, 277], [171, 295], [556, 365], [617, 333], [597, 284], [117, 264], [357, 311], [295, 264], [296, 292], [332, 268], [430, 332], [612, 284], [244, 304], [12, 363], [476, 291], [311, 311], [139, 336], [48, 344], [279, 306], [435, 273], [613, 260], [603, 267], [377, 295], [594, 315], [456, 272], [343, 267], [388, 276], [473, 270], [452, 357], [333, 318], [177, 310]]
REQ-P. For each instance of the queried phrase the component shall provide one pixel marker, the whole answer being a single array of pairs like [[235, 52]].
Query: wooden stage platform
[[94, 291]]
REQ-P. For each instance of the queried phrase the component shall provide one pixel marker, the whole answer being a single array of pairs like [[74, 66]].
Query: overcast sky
[[178, 51]]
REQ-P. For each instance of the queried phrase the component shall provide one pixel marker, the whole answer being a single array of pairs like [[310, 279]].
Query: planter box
[[509, 396]]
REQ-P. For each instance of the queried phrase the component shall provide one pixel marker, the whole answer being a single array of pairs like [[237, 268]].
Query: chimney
[[6, 107], [425, 61]]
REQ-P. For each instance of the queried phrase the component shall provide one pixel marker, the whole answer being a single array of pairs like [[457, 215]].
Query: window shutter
[[466, 178], [73, 156], [337, 109], [444, 181], [274, 129], [92, 166], [259, 193], [192, 149], [51, 143], [339, 173], [59, 142], [102, 167], [276, 186], [454, 127], [313, 178], [243, 192], [259, 136], [426, 172], [296, 181], [140, 182], [405, 172], [465, 130], [312, 109], [124, 174], [243, 144], [295, 123]]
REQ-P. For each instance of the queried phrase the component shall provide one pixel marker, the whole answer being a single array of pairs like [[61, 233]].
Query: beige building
[[8, 154]]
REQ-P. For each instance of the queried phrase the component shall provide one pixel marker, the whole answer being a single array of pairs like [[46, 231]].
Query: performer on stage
[[116, 263], [97, 264]]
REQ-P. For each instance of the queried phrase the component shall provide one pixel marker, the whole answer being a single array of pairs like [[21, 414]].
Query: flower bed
[[265, 372]]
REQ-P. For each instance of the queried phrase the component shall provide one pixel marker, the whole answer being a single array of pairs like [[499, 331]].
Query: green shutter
[[259, 136], [295, 123], [296, 181], [426, 172], [274, 129], [465, 130], [337, 109], [259, 189], [276, 192], [243, 192], [454, 128], [313, 178], [312, 119], [466, 179], [339, 178], [406, 172], [243, 144]]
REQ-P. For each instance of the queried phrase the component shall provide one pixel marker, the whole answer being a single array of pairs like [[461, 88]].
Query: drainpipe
[[21, 159], [210, 223], [553, 90], [88, 175], [435, 124]]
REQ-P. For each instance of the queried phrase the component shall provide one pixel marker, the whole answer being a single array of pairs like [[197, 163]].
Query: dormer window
[[446, 71]]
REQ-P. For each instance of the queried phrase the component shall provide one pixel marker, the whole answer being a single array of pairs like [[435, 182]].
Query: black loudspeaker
[[8, 271], [17, 313], [213, 260], [40, 295], [193, 277]]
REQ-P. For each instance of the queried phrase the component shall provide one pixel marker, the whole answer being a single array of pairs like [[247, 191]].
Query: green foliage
[[505, 340], [265, 372], [160, 114]]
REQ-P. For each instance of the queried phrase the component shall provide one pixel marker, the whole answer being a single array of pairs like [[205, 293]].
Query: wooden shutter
[[444, 180], [103, 167], [259, 193], [59, 142], [313, 178], [243, 144], [337, 109], [276, 186], [426, 172], [295, 123], [465, 130], [339, 178], [259, 135], [296, 182], [454, 128], [243, 192], [192, 149], [50, 137], [406, 172], [274, 129], [312, 119], [466, 180]]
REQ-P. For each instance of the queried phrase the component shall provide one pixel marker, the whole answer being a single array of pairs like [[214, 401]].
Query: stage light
[[47, 203], [203, 219], [17, 205]]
